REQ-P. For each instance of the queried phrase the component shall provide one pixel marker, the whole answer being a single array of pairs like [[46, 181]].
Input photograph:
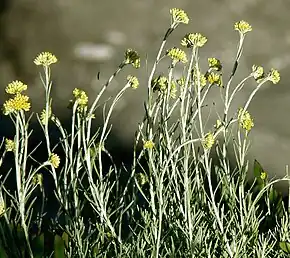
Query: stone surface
[[61, 26]]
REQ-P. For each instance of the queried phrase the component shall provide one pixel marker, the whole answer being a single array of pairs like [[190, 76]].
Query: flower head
[[263, 175], [18, 103], [177, 55], [179, 16], [54, 160], [214, 64], [43, 115], [81, 97], [15, 87], [37, 179], [45, 59], [243, 27], [258, 72], [2, 207], [198, 79], [132, 57], [215, 78], [274, 76], [133, 81], [208, 141], [148, 144], [9, 145], [161, 84], [193, 40], [141, 179], [245, 120]]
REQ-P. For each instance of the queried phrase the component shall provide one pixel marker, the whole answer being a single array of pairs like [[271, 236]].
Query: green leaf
[[65, 238], [285, 246], [273, 195], [257, 169]]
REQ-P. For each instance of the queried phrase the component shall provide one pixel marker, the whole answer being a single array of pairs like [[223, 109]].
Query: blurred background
[[90, 37]]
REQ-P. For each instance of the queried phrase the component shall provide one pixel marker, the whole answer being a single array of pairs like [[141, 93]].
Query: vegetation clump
[[174, 201]]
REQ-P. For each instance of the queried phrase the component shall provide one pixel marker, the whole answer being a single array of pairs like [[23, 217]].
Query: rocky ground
[[91, 36]]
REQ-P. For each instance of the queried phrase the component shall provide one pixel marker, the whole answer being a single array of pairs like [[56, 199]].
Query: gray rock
[[58, 26]]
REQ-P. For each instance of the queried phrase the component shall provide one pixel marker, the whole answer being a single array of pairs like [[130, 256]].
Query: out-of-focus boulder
[[91, 36]]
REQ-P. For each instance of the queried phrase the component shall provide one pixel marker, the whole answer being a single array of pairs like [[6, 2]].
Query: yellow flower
[[179, 16], [18, 103], [148, 144], [45, 59], [214, 64], [208, 141], [54, 160], [2, 207], [133, 81], [81, 97], [9, 145], [173, 90], [37, 179], [258, 72], [193, 40], [202, 78], [243, 27], [43, 115], [214, 78], [15, 87], [274, 76], [245, 120], [161, 84], [141, 179], [263, 175], [177, 55], [132, 57]]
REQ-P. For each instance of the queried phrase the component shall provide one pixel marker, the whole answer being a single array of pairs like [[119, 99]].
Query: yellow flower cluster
[[161, 84], [214, 64], [274, 76], [54, 160], [193, 40], [215, 78], [243, 27], [208, 141], [132, 57], [2, 207], [37, 179], [148, 144], [15, 87], [263, 175], [18, 102], [179, 16], [45, 59], [258, 73], [202, 78], [245, 120], [80, 96], [43, 115], [133, 81], [177, 55], [9, 145], [141, 179]]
